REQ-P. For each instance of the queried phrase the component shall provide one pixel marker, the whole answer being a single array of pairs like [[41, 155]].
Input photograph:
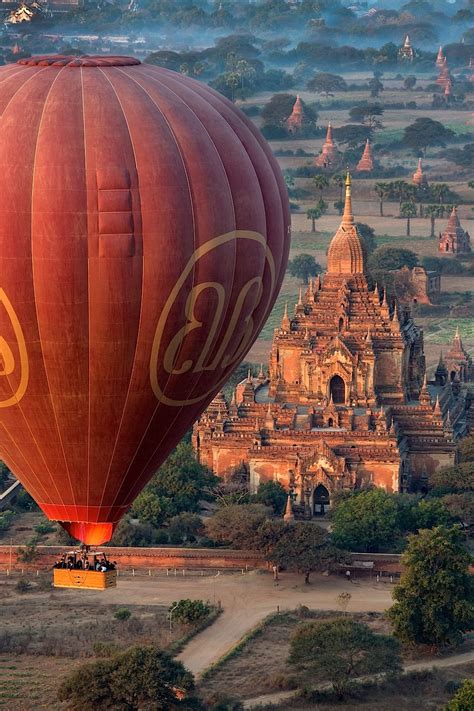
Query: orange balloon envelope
[[144, 234]]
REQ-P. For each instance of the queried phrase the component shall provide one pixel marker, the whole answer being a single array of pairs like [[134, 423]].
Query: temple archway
[[321, 501], [337, 389]]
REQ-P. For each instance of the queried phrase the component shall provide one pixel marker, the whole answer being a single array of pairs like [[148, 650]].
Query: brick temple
[[454, 239], [345, 402], [329, 155]]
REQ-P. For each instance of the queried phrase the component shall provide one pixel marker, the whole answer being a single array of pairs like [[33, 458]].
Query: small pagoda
[[454, 239], [458, 361], [329, 154], [440, 58], [419, 178], [366, 163], [295, 122], [444, 75], [406, 53]]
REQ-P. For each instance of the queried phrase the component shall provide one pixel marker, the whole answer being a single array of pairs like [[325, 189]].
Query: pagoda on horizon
[[406, 53], [296, 120], [366, 163], [419, 178], [329, 154]]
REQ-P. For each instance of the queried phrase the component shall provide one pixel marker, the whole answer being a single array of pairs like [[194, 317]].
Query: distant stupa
[[419, 178], [406, 53], [296, 120], [440, 59], [329, 153], [366, 163], [454, 239]]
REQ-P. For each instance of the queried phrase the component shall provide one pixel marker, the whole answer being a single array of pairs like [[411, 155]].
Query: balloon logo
[[234, 340], [11, 370]]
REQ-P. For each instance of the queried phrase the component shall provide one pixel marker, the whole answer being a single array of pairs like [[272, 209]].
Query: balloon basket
[[72, 576]]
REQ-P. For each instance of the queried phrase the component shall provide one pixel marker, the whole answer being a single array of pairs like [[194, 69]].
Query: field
[[390, 229], [45, 635]]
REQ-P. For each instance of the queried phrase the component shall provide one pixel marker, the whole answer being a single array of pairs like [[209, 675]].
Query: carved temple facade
[[345, 402]]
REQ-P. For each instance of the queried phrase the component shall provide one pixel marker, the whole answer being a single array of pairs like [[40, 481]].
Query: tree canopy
[[386, 258], [426, 132], [141, 677], [304, 548], [434, 602], [238, 525], [326, 83], [342, 650], [304, 266]]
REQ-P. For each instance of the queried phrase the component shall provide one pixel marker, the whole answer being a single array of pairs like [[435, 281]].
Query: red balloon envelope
[[144, 233]]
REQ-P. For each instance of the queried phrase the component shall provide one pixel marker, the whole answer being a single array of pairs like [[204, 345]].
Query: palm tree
[[408, 210], [440, 191], [339, 180], [433, 211], [320, 182], [383, 191], [313, 214]]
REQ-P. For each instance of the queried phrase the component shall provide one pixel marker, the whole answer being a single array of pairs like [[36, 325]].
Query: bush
[[44, 527], [22, 586], [105, 649], [6, 519], [122, 614], [188, 612]]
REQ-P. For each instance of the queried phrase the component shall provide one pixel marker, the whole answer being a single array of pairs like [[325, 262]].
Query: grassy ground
[[427, 691], [45, 635]]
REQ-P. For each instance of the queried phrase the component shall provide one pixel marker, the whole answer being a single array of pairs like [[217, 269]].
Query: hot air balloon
[[144, 234]]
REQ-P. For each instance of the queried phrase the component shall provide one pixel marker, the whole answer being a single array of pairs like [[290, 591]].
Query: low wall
[[190, 558]]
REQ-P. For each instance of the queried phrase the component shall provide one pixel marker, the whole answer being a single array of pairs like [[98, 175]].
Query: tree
[[455, 479], [340, 180], [383, 191], [320, 182], [326, 83], [366, 521], [141, 677], [147, 508], [408, 210], [440, 191], [343, 650], [434, 602], [304, 548], [424, 133], [463, 699], [461, 507], [238, 525], [367, 234], [304, 266], [368, 114], [313, 214], [188, 612], [466, 449], [185, 527], [386, 258], [375, 86], [433, 212], [273, 495], [352, 134], [409, 82]]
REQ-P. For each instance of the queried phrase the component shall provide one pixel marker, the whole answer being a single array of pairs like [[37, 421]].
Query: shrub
[[44, 527], [122, 614], [104, 649], [22, 586], [188, 612], [6, 519]]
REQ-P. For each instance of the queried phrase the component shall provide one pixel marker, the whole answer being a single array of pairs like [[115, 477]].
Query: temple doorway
[[321, 500], [337, 389]]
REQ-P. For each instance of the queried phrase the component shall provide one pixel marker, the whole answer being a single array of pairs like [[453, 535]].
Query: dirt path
[[281, 696]]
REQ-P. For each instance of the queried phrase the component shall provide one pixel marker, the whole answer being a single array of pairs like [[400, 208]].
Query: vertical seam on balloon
[[132, 370], [261, 192], [191, 202], [19, 404], [34, 291], [88, 298], [181, 99]]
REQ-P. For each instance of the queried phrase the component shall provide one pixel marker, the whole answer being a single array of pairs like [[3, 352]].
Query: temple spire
[[348, 216], [289, 515]]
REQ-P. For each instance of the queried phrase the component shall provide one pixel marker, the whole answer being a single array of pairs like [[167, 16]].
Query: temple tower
[[440, 59], [419, 178], [295, 122], [366, 163], [458, 361], [454, 239], [329, 153], [406, 53]]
